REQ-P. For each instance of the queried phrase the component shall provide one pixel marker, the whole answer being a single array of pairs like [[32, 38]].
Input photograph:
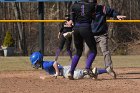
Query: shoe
[[85, 72], [90, 73], [111, 72], [95, 73], [70, 76]]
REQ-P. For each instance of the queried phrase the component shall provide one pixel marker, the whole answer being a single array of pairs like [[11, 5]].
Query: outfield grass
[[22, 63]]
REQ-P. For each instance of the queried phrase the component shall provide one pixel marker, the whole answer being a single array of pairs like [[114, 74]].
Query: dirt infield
[[128, 81]]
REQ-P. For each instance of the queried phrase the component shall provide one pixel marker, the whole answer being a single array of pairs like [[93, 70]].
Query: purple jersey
[[48, 67]]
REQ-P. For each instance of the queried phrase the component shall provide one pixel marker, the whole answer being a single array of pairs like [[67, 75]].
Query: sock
[[101, 70], [74, 63], [70, 53], [89, 60]]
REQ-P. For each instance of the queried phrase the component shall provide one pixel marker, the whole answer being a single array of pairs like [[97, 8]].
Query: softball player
[[99, 29], [55, 69], [65, 28], [82, 16]]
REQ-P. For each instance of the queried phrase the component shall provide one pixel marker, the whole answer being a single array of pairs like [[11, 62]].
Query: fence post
[[41, 27]]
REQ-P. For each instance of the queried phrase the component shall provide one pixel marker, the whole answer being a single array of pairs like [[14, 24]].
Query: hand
[[120, 17], [58, 35], [55, 76], [42, 77]]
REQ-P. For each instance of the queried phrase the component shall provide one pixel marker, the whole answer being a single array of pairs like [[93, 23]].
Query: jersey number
[[82, 10]]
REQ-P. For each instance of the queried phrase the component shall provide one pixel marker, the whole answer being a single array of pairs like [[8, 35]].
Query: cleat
[[95, 73], [91, 73], [70, 76], [85, 72], [111, 72]]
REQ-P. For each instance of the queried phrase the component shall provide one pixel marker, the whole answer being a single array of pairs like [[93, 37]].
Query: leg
[[62, 42], [78, 73], [86, 49], [68, 45], [103, 43], [108, 70], [78, 41], [90, 41]]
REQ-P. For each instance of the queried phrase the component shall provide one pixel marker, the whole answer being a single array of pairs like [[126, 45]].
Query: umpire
[[82, 15]]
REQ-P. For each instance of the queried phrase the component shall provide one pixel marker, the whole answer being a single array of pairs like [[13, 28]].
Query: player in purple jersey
[[82, 16], [64, 29]]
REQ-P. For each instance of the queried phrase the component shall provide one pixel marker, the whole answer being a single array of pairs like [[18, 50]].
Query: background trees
[[124, 37]]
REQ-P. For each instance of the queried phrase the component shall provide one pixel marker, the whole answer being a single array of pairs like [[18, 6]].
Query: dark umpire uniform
[[82, 16]]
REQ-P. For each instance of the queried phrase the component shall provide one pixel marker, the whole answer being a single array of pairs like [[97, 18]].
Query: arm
[[61, 30], [55, 65], [58, 35], [112, 13], [50, 68]]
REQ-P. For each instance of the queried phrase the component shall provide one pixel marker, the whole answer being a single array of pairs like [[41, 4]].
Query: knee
[[60, 47], [79, 52], [94, 51], [68, 48], [106, 53]]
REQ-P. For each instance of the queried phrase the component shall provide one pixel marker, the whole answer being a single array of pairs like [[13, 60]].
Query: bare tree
[[122, 35]]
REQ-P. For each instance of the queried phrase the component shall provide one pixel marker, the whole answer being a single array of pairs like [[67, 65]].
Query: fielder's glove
[[68, 34]]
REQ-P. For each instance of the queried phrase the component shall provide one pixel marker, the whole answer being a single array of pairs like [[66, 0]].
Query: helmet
[[35, 57]]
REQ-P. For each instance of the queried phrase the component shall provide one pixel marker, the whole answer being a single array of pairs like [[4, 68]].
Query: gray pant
[[78, 73], [102, 40]]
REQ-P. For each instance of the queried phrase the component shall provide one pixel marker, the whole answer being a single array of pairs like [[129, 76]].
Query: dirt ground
[[128, 81]]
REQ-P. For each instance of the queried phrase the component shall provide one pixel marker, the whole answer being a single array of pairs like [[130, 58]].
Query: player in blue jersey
[[54, 68]]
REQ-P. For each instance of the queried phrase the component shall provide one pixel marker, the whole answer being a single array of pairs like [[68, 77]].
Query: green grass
[[22, 63], [14, 63]]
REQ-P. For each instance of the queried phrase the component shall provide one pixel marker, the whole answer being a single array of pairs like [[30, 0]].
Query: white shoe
[[95, 73], [111, 72], [92, 73]]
